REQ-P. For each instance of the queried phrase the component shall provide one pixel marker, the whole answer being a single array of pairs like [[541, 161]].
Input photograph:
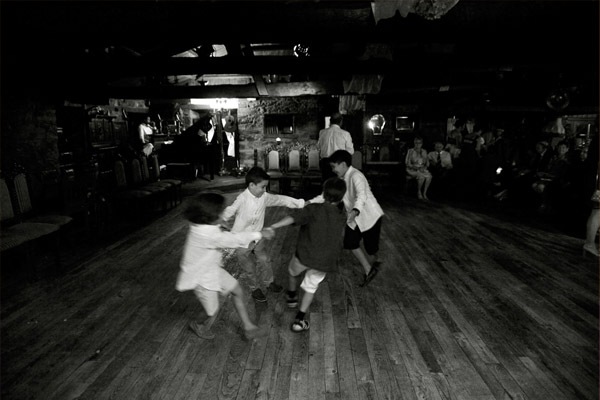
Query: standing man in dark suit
[[330, 140], [212, 150]]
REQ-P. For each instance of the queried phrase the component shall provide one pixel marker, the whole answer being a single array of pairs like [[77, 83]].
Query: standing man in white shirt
[[330, 140]]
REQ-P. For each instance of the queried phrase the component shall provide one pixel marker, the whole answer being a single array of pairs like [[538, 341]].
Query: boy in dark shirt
[[318, 247]]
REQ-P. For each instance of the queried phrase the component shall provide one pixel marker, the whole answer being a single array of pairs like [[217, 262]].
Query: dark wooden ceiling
[[508, 50]]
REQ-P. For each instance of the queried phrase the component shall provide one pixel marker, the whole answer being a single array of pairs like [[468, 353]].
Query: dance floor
[[466, 306]]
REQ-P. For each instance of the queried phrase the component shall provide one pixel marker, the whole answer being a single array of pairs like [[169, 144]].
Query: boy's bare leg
[[252, 330], [362, 259], [240, 307], [370, 269], [307, 299]]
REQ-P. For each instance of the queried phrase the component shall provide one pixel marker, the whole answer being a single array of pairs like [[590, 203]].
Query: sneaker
[[256, 333], [300, 325], [292, 302], [201, 331], [259, 296], [275, 288]]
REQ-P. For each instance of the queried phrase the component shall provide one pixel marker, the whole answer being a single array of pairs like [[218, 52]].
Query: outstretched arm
[[273, 200], [283, 222]]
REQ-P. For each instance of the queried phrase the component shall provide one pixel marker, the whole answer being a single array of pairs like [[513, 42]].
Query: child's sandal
[[300, 325]]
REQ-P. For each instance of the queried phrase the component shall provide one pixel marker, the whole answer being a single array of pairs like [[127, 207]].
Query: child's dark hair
[[334, 189], [256, 175], [206, 208], [340, 156]]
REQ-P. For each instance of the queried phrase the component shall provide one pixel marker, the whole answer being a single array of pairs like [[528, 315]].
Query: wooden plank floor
[[467, 306]]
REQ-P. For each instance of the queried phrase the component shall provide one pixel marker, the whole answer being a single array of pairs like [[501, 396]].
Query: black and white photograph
[[299, 199]]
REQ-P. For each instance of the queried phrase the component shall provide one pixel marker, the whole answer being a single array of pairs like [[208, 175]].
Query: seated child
[[201, 264], [318, 246], [249, 209]]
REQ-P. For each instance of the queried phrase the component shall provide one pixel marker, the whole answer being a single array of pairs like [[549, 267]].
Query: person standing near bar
[[211, 150], [330, 140]]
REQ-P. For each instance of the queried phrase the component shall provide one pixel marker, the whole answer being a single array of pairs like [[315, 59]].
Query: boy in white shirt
[[249, 210], [364, 214], [201, 264]]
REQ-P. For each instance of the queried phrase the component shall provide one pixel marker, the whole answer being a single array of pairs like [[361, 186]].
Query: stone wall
[[30, 141], [309, 113]]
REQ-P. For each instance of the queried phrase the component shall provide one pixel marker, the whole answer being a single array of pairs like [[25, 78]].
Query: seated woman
[[145, 132], [417, 164]]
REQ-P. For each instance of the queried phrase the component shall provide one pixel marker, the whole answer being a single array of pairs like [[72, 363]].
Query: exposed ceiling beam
[[140, 66], [223, 91]]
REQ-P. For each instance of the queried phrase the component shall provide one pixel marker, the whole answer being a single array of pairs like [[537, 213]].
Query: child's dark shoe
[[372, 273], [259, 296], [300, 325], [201, 331]]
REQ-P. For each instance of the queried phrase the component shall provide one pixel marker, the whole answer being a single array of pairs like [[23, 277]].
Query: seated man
[[440, 161], [440, 165]]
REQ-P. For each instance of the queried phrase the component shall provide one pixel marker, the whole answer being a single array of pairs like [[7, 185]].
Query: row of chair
[[303, 167], [292, 166], [21, 225], [139, 189]]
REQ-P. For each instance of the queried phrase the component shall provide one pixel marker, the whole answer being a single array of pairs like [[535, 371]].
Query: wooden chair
[[273, 168], [293, 171], [25, 209], [312, 165], [155, 177], [135, 200], [159, 191], [15, 234], [147, 180]]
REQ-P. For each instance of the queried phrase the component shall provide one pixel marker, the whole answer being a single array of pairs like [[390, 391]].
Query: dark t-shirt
[[321, 233]]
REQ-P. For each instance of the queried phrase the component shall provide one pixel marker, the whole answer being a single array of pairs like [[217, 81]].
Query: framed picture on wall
[[404, 123]]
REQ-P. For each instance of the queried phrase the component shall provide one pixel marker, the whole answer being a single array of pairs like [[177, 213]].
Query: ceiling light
[[216, 103], [301, 50]]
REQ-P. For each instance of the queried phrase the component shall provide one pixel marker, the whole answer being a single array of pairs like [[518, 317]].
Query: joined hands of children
[[268, 233], [352, 216]]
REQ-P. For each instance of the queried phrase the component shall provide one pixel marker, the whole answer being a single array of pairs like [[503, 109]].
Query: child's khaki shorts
[[312, 278], [210, 298]]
